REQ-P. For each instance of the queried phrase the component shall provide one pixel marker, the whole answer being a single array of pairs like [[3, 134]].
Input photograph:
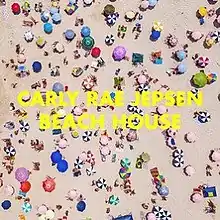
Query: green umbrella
[[126, 163], [109, 9], [200, 79], [113, 200], [137, 58], [88, 43], [145, 157]]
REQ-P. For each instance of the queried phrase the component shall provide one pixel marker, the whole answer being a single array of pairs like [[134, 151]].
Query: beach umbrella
[[126, 163], [83, 156], [163, 190], [181, 68], [69, 34], [145, 157], [143, 87], [109, 39], [216, 36], [119, 53], [49, 184], [111, 19], [131, 108], [56, 18], [21, 174], [90, 158], [63, 143], [87, 136], [88, 43], [59, 48], [6, 204], [61, 115], [21, 58], [142, 79], [25, 186], [190, 137], [196, 35], [178, 153], [45, 16], [58, 87], [152, 3], [81, 206], [144, 5], [87, 2], [16, 9], [181, 55], [203, 61], [9, 190], [105, 151], [48, 28], [178, 162], [109, 9], [42, 209], [195, 92], [200, 79], [124, 173], [95, 52], [41, 42], [10, 151], [28, 36], [26, 207], [72, 194], [139, 112], [50, 214], [215, 156], [135, 121], [54, 10], [62, 166], [85, 31], [202, 11], [155, 35], [78, 164], [56, 157], [170, 142], [113, 200], [103, 140], [88, 83], [90, 171], [161, 109], [151, 216], [37, 66], [196, 197], [157, 26], [101, 183], [212, 77], [189, 170], [161, 213], [204, 117]]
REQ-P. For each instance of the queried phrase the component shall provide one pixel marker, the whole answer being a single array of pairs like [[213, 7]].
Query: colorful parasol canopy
[[85, 31], [203, 61], [49, 184], [157, 26], [163, 190], [202, 11], [96, 51], [88, 43], [108, 10], [126, 163], [81, 206], [25, 186], [200, 79], [124, 173], [22, 174], [26, 207], [113, 200], [15, 7], [212, 77], [119, 53]]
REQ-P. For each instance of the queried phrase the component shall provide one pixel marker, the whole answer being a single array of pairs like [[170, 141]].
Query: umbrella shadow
[[211, 2], [210, 155], [216, 24], [218, 97]]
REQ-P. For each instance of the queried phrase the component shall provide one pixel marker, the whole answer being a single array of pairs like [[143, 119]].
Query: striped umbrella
[[111, 19], [87, 135], [124, 173], [90, 158], [132, 108], [203, 61], [126, 163], [109, 40], [113, 200], [178, 162], [212, 77], [10, 151], [143, 88], [90, 171], [139, 112], [216, 36], [26, 207], [24, 126], [195, 92], [78, 164], [178, 153], [101, 183], [204, 117]]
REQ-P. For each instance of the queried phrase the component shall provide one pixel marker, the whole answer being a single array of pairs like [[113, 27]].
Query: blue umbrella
[[56, 17], [58, 87], [56, 157], [6, 204], [85, 31], [45, 16], [48, 28], [181, 68], [181, 55], [155, 35], [62, 166], [152, 3], [69, 34], [54, 10], [37, 67], [81, 206], [163, 191]]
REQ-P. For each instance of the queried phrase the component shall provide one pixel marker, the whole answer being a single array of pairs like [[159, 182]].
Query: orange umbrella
[[49, 184], [25, 186]]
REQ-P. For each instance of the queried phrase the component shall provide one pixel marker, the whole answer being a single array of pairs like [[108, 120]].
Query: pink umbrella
[[189, 170], [42, 209], [196, 35], [216, 156], [22, 174], [104, 140], [63, 144], [77, 111], [151, 216], [203, 61], [83, 156], [142, 79], [105, 151], [196, 197], [161, 109], [119, 53]]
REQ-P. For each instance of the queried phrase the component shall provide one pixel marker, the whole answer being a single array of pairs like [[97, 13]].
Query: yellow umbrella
[[130, 15], [210, 42], [203, 11], [157, 26], [40, 42]]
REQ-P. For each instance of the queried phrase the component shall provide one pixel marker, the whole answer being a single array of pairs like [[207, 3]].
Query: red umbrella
[[96, 52], [25, 186], [49, 184], [15, 8], [203, 61]]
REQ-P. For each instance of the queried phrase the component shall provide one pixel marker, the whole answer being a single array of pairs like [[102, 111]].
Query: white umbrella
[[90, 171], [72, 194], [77, 111], [161, 109], [28, 36], [42, 209], [142, 79], [104, 140], [50, 214], [59, 48], [144, 5], [190, 137], [105, 151], [189, 170], [216, 156], [196, 35], [83, 156], [61, 113], [63, 143], [131, 136], [21, 58], [196, 197]]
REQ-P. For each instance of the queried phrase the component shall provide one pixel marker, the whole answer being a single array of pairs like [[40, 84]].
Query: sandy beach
[[23, 144]]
